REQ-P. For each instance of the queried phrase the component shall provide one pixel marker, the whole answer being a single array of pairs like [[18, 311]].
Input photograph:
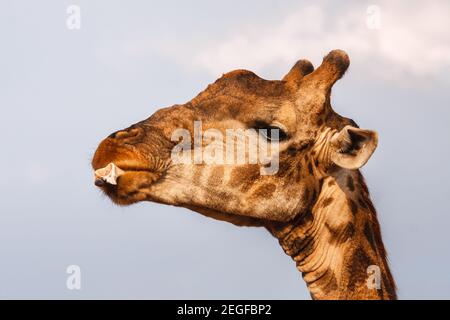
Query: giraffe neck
[[337, 243]]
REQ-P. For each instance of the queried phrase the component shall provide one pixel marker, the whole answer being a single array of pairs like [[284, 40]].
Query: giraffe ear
[[352, 147]]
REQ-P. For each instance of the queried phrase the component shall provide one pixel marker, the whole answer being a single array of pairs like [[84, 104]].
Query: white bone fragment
[[109, 174]]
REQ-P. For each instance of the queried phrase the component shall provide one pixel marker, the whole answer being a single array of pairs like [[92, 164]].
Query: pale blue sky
[[63, 90]]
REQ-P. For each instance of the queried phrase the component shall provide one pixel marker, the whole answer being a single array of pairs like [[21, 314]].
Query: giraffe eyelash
[[266, 131]]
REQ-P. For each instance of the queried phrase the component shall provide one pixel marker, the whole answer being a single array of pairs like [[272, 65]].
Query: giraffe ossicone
[[316, 202]]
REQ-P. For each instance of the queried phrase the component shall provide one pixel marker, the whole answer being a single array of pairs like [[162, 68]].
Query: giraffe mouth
[[125, 185]]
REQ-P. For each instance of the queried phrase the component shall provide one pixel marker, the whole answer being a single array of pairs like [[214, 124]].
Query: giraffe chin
[[125, 186]]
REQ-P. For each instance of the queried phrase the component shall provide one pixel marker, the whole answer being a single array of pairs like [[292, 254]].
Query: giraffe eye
[[273, 133]]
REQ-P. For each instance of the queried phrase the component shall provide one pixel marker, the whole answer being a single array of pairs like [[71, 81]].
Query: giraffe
[[317, 204]]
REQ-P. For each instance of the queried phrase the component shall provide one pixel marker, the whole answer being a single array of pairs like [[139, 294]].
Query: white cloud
[[413, 40]]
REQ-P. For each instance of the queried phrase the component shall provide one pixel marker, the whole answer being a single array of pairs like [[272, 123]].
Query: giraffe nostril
[[99, 182], [112, 135]]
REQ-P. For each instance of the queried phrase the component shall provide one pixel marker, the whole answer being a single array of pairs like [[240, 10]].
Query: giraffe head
[[136, 164]]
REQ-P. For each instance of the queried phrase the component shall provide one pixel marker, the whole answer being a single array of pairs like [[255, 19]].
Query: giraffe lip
[[125, 190]]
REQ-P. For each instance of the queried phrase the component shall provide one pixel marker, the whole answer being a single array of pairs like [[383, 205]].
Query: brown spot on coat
[[362, 203], [265, 191], [310, 168], [368, 233], [244, 177], [353, 206], [327, 202], [349, 232], [215, 179], [314, 196], [306, 196], [350, 184]]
